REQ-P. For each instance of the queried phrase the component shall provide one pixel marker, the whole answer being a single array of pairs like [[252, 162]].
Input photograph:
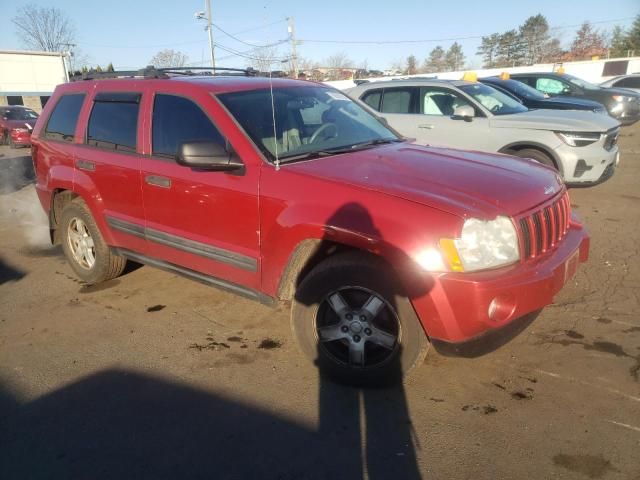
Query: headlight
[[19, 130], [482, 245], [579, 139], [622, 98]]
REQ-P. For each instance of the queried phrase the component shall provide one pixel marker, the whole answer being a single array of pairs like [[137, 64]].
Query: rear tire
[[83, 245], [536, 155], [352, 320]]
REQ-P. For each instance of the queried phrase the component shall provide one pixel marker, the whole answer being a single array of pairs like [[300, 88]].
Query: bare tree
[[588, 42], [44, 28], [339, 60], [264, 59], [168, 58]]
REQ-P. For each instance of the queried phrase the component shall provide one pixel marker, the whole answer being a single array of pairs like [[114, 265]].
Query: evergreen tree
[[454, 58]]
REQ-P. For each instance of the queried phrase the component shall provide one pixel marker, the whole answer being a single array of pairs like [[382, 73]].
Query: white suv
[[581, 145]]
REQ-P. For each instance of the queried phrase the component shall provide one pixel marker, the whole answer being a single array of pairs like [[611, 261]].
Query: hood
[[20, 123], [577, 102], [556, 120], [464, 183]]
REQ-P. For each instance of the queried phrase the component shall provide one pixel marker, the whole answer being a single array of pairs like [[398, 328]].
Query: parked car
[[630, 82], [534, 99], [471, 115], [285, 190], [622, 104], [16, 124]]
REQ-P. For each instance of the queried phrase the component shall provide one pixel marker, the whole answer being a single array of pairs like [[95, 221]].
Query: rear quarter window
[[64, 117]]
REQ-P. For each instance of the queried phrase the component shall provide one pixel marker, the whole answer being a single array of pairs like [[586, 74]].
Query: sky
[[129, 33]]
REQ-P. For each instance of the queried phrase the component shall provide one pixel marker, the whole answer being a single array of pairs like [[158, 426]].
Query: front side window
[[178, 120], [629, 82], [551, 86], [440, 101], [342, 123], [496, 102], [64, 117], [113, 123]]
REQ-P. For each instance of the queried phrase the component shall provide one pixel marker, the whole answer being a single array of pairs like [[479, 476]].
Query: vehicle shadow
[[372, 424], [16, 173]]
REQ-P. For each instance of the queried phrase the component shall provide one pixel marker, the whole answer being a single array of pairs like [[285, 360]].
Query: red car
[[16, 125], [286, 190]]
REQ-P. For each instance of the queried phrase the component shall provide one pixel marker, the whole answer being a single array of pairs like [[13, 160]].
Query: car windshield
[[21, 114], [582, 83], [522, 90], [305, 121], [493, 100]]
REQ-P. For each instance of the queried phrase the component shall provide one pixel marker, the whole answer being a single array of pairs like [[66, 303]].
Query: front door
[[205, 221]]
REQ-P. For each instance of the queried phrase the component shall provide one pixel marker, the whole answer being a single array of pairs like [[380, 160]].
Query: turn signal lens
[[450, 252]]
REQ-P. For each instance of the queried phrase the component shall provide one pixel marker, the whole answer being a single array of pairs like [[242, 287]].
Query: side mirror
[[464, 112], [207, 156]]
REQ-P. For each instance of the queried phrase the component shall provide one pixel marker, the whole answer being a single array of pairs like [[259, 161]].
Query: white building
[[29, 78]]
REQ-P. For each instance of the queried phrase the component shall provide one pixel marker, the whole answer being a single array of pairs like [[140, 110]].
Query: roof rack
[[153, 72]]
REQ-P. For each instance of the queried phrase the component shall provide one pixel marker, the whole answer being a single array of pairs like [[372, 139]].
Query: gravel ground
[[154, 376]]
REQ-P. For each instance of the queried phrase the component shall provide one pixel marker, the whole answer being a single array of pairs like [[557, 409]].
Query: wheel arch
[[516, 146]]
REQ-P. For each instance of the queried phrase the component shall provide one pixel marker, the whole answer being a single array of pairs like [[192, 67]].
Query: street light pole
[[210, 28]]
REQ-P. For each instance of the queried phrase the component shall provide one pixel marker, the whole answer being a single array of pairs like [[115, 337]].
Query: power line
[[451, 39], [279, 42]]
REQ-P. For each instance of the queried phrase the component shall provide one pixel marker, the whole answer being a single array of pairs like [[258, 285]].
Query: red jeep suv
[[16, 124], [286, 190]]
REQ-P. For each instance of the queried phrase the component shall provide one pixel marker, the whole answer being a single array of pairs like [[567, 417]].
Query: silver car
[[630, 82], [581, 145]]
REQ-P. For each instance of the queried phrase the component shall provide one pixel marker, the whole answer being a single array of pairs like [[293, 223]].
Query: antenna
[[273, 116]]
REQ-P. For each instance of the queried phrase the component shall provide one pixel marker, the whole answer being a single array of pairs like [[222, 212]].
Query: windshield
[[522, 90], [308, 120], [21, 114], [582, 83], [493, 100]]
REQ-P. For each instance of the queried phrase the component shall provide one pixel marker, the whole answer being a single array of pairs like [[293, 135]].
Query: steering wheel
[[496, 108], [322, 129]]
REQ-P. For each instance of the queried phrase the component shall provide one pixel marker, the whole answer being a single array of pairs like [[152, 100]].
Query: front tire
[[351, 318], [86, 251]]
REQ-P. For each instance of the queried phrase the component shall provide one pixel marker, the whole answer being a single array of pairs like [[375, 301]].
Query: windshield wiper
[[335, 151]]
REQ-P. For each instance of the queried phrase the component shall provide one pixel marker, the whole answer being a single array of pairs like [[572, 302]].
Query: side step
[[197, 276]]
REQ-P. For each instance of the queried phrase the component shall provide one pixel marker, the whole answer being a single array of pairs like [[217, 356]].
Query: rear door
[[205, 221], [107, 163]]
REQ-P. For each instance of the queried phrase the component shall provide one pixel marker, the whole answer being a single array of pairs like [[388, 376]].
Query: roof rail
[[153, 72]]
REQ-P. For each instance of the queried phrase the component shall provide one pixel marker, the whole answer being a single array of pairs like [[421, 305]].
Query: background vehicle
[[16, 125], [630, 82], [470, 115], [304, 208], [532, 98], [622, 104]]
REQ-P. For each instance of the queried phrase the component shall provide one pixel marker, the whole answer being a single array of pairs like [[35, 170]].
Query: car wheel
[[352, 320], [536, 155], [90, 257]]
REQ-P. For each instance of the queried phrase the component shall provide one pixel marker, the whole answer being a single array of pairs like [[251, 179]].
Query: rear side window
[[113, 123], [64, 117], [396, 101], [373, 99], [177, 120]]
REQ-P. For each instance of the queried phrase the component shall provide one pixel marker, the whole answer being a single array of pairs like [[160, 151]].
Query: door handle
[[158, 181], [426, 126], [85, 165]]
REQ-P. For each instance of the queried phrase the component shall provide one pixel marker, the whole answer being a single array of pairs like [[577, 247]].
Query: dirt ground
[[155, 376]]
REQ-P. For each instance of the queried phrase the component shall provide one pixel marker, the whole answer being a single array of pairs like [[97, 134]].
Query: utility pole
[[210, 28], [292, 39]]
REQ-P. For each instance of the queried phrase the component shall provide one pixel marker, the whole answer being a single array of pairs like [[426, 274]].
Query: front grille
[[611, 139], [542, 230]]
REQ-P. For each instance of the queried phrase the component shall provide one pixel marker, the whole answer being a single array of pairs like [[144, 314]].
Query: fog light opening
[[501, 308]]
